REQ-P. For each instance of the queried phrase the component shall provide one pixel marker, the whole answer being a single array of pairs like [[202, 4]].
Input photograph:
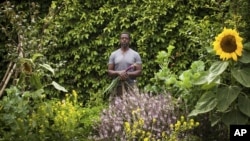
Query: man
[[120, 60]]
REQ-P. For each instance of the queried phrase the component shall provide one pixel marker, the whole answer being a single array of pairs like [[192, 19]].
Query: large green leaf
[[247, 46], [207, 78], [245, 58], [207, 86], [212, 75], [234, 117], [215, 119], [225, 96], [206, 103], [242, 76], [202, 79], [244, 105], [218, 67]]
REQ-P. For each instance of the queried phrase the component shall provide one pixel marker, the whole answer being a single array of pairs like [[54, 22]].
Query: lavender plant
[[136, 116]]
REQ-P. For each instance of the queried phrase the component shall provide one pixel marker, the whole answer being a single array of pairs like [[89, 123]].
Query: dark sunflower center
[[228, 44]]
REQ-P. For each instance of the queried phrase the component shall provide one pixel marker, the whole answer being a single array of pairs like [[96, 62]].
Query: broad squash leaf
[[244, 105], [242, 76], [202, 79], [212, 75], [215, 119], [225, 96], [247, 46], [211, 85], [234, 117], [206, 103], [218, 67], [245, 58]]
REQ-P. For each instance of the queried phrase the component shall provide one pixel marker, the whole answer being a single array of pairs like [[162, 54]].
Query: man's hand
[[123, 75]]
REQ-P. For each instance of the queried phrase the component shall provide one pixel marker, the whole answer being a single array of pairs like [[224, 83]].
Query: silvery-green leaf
[[48, 67], [218, 67], [58, 87]]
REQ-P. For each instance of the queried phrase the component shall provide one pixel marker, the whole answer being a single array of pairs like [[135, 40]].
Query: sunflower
[[228, 44]]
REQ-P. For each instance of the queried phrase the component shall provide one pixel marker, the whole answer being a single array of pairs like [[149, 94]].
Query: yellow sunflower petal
[[239, 51], [234, 56], [218, 51], [223, 56]]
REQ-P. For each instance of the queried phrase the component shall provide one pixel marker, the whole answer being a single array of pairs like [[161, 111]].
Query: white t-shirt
[[122, 60]]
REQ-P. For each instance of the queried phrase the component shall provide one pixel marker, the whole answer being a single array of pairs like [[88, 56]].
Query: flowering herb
[[136, 116]]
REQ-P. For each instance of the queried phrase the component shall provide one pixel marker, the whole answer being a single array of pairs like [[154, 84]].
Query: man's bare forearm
[[134, 74]]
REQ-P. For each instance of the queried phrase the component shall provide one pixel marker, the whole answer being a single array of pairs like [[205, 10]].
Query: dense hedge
[[78, 37], [86, 33]]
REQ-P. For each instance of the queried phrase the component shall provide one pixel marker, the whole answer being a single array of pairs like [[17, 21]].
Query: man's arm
[[123, 75], [137, 72], [111, 70]]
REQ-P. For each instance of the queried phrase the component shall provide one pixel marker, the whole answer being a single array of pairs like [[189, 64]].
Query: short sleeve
[[138, 59], [111, 59]]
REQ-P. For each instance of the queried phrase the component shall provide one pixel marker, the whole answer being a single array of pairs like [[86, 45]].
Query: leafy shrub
[[13, 112], [29, 116], [136, 116], [61, 117]]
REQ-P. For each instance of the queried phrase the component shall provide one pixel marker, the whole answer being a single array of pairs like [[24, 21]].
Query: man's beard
[[124, 45]]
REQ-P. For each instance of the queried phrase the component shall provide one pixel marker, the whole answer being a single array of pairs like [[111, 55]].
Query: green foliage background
[[78, 36], [86, 33]]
